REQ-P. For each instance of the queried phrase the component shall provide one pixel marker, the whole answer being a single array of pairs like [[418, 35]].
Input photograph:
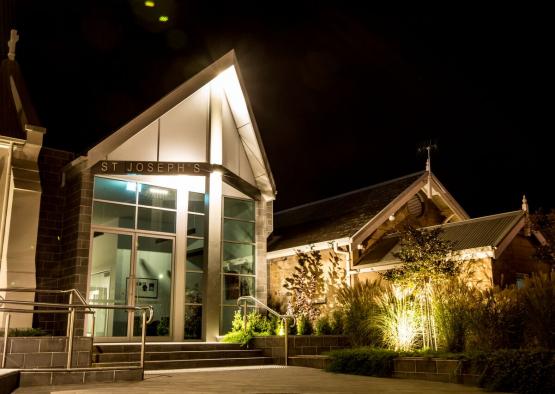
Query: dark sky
[[343, 95]]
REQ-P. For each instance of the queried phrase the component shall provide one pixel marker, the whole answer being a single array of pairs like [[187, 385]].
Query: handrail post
[[6, 333], [245, 316], [70, 302], [143, 338], [70, 338], [286, 335]]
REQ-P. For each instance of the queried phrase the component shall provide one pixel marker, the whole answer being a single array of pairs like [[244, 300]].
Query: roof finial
[[428, 147], [525, 207], [14, 38]]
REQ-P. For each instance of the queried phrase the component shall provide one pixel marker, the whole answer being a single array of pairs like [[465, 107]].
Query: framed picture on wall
[[147, 287]]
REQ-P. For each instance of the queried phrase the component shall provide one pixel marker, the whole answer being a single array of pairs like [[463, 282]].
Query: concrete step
[[162, 347], [208, 363], [192, 363], [175, 355]]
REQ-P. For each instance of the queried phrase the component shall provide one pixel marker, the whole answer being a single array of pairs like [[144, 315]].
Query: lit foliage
[[306, 285], [425, 258], [358, 303], [257, 325], [397, 318]]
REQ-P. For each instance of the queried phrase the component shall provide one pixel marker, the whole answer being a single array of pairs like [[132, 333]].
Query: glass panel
[[110, 268], [235, 230], [238, 258], [238, 209], [156, 220], [193, 288], [195, 254], [153, 283], [156, 196], [236, 286], [196, 202], [114, 190], [227, 317], [193, 322], [195, 225], [113, 215]]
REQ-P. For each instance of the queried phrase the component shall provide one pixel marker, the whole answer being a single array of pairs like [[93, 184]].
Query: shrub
[[336, 322], [453, 302], [25, 332], [497, 322], [359, 307], [257, 325], [397, 318], [518, 371], [362, 361], [323, 326], [304, 326], [539, 303]]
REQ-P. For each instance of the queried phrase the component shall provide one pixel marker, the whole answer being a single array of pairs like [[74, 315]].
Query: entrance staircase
[[177, 355]]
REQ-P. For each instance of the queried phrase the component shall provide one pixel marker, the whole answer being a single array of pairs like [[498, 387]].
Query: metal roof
[[486, 231]]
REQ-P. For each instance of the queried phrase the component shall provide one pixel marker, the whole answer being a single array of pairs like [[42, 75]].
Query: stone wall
[[76, 237], [46, 352], [281, 268], [439, 370], [274, 346], [49, 239]]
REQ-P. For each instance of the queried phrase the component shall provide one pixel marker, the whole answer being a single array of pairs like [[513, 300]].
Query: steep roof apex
[[223, 64], [16, 108]]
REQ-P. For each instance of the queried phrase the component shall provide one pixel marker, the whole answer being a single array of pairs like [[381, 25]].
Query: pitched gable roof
[[16, 108], [336, 217], [224, 71], [483, 232]]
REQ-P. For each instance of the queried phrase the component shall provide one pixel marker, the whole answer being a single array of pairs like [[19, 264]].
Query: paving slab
[[260, 380]]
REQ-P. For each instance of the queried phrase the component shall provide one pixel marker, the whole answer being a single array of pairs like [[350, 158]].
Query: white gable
[[234, 155], [176, 129]]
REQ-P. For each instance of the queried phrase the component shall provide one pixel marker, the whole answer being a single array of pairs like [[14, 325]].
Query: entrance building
[[181, 197], [171, 210]]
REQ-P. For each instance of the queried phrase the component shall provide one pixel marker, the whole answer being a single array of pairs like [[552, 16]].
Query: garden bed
[[521, 371]]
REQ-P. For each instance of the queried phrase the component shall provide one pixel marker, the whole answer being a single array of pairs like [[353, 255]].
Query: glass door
[[153, 283], [131, 269], [110, 271]]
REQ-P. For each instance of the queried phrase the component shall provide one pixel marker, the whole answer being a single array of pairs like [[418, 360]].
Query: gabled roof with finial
[[16, 108]]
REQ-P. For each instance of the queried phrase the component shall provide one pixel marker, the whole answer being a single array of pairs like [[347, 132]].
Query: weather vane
[[14, 38], [428, 147]]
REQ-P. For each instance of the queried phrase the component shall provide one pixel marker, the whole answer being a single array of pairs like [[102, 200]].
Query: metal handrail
[[69, 309], [260, 304], [71, 292]]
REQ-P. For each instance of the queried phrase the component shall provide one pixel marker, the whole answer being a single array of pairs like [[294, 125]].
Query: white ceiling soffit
[[226, 70], [245, 123]]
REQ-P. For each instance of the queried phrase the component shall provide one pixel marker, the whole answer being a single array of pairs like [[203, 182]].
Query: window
[[238, 251], [133, 205], [194, 265]]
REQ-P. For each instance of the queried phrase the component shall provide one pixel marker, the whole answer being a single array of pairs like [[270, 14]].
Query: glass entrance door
[[132, 269], [109, 277], [153, 283]]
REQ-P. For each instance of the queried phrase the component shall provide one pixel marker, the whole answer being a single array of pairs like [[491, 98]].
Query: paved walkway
[[290, 380]]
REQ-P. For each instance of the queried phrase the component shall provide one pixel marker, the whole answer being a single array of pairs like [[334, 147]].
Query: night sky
[[343, 95]]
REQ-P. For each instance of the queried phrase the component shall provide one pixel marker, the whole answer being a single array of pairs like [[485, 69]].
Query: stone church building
[[175, 210]]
